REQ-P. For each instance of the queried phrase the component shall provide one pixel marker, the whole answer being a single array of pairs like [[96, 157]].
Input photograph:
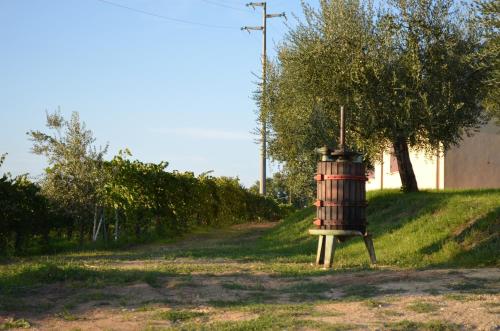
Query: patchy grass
[[176, 316], [360, 292], [419, 326], [271, 317], [375, 303], [460, 297], [269, 322], [423, 307], [267, 271], [391, 313], [11, 323], [467, 286], [67, 316], [243, 287]]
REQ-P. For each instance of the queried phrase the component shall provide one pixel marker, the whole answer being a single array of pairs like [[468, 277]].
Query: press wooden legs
[[326, 250], [320, 256], [329, 250], [369, 246], [327, 243]]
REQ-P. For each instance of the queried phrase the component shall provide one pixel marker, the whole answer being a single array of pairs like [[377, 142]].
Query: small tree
[[75, 172], [278, 188]]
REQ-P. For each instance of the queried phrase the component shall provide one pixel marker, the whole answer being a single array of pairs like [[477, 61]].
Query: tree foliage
[[75, 166], [407, 75], [23, 212], [488, 17]]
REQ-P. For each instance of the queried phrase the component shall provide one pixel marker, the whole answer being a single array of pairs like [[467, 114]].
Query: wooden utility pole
[[263, 145]]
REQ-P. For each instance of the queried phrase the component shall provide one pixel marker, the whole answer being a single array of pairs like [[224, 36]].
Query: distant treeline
[[83, 198]]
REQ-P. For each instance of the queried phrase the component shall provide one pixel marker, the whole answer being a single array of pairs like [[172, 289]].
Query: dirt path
[[203, 292]]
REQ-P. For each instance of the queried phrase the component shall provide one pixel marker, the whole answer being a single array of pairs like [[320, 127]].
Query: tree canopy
[[406, 73], [488, 17]]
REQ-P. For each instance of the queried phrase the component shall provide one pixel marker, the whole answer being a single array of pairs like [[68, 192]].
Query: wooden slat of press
[[328, 196], [324, 190], [351, 191], [355, 193], [318, 192], [363, 195], [341, 192], [334, 186]]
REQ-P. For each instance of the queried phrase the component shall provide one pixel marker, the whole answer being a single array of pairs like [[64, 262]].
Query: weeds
[[11, 323]]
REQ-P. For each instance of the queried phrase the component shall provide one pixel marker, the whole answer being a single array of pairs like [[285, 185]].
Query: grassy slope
[[450, 228]]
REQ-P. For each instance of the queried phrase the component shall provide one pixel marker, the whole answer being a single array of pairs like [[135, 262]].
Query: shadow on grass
[[388, 211], [480, 240], [79, 290], [287, 243]]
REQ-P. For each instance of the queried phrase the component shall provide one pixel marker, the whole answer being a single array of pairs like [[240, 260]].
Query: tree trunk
[[69, 232], [104, 228], [82, 232], [46, 238], [18, 241], [408, 180], [94, 228], [137, 231], [117, 225], [98, 227]]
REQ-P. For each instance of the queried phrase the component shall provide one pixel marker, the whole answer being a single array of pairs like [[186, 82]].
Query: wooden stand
[[328, 240]]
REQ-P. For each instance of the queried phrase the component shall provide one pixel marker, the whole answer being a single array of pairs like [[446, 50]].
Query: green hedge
[[142, 200]]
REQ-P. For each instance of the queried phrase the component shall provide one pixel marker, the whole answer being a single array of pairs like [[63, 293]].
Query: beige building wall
[[473, 164], [476, 162], [425, 167]]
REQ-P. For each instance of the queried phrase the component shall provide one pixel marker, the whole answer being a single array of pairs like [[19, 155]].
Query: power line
[[223, 5], [172, 19]]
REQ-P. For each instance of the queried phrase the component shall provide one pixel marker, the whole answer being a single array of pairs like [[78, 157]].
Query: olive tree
[[406, 73], [74, 175]]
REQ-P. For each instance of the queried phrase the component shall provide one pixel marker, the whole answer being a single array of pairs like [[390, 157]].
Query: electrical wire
[[226, 6], [171, 19]]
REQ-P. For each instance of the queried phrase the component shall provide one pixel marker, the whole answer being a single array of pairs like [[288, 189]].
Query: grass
[[420, 230], [371, 303], [420, 326], [269, 317], [426, 229], [423, 307], [450, 229], [243, 287], [11, 323], [176, 316]]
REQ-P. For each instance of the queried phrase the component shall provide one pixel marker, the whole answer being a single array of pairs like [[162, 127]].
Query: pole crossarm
[[249, 28], [255, 4], [276, 15]]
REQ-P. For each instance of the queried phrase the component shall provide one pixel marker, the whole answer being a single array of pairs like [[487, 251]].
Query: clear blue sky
[[168, 91]]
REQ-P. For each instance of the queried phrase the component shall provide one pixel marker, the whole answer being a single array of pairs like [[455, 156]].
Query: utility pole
[[263, 28]]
